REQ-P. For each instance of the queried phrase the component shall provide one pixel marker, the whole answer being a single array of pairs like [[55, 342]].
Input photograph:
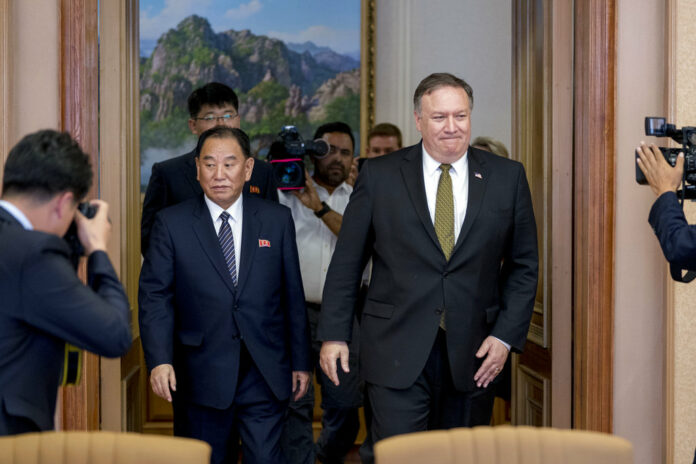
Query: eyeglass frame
[[211, 118]]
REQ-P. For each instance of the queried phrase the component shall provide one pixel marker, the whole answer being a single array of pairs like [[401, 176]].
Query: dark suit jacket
[[193, 317], [43, 306], [486, 288], [677, 238], [174, 180]]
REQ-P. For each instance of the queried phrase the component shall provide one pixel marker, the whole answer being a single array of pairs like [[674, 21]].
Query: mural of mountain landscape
[[277, 83]]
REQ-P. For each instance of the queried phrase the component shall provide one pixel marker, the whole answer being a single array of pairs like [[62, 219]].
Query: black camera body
[[287, 158], [686, 136], [76, 248]]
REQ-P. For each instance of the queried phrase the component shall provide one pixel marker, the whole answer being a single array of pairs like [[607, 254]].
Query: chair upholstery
[[101, 448], [504, 444]]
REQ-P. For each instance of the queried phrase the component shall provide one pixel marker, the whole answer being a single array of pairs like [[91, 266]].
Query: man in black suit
[[452, 237], [222, 314], [44, 304], [174, 180]]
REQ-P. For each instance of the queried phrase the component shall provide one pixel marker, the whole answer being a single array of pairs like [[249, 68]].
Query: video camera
[[76, 248], [686, 136], [287, 158]]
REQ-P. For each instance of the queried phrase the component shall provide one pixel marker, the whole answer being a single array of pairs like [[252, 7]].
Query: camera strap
[[676, 273]]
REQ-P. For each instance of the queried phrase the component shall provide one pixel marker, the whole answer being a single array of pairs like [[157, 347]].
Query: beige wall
[[33, 67], [469, 38], [639, 267], [681, 355]]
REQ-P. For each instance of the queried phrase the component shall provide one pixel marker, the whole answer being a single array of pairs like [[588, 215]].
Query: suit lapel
[[189, 172], [205, 231], [251, 227], [478, 179], [412, 172]]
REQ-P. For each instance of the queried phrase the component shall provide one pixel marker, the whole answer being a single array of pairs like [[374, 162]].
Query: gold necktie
[[444, 217]]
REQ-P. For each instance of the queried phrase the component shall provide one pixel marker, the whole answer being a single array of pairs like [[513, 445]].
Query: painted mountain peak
[[276, 85]]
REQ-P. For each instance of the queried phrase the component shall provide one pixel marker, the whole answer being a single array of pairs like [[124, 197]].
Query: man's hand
[[330, 352], [660, 175], [300, 383], [162, 379], [496, 354], [308, 195], [353, 174], [94, 233]]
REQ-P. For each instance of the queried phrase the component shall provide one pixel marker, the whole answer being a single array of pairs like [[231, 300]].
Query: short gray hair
[[437, 80]]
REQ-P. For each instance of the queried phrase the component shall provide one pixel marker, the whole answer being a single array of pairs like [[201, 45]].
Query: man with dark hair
[[318, 214], [45, 305], [384, 138], [452, 237], [222, 314], [174, 180]]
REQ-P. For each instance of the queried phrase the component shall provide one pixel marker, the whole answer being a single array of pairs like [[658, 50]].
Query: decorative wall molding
[[595, 94]]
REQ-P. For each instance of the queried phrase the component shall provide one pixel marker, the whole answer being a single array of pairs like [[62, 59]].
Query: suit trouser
[[432, 402], [340, 419], [256, 416]]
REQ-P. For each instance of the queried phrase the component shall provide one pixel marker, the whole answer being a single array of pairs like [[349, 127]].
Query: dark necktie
[[444, 217], [227, 245]]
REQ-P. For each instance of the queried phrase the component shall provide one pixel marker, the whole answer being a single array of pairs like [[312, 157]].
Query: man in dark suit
[[452, 237], [174, 180], [44, 303], [677, 238], [222, 313]]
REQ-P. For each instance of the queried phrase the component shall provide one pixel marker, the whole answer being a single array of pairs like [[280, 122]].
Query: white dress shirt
[[315, 241], [459, 172], [17, 214], [235, 220]]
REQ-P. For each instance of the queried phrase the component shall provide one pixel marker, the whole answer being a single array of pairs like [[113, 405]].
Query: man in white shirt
[[318, 214]]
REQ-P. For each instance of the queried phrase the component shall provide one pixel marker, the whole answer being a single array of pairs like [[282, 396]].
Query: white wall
[[468, 38], [639, 343]]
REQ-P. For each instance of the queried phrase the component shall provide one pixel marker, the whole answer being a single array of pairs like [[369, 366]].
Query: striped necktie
[[227, 245]]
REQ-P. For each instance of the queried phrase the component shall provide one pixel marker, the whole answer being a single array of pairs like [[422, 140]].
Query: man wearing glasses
[[174, 180]]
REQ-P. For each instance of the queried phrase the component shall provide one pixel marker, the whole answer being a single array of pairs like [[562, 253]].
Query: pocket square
[[264, 243]]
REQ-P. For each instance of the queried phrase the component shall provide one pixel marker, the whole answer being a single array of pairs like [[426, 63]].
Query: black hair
[[45, 163], [334, 127], [224, 132], [213, 94]]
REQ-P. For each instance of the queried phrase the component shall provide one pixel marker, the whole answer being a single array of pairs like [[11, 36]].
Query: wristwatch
[[324, 209]]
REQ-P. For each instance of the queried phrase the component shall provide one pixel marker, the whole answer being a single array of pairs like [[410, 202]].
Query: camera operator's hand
[[353, 175], [661, 176], [94, 233], [308, 195]]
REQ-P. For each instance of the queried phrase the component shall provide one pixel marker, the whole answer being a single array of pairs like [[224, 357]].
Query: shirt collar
[[17, 214], [342, 187], [235, 209], [430, 166]]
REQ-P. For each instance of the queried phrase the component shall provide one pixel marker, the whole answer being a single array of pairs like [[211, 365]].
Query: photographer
[[44, 304], [317, 210], [677, 238]]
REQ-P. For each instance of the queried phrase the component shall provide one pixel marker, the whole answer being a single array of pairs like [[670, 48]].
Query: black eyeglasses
[[223, 118]]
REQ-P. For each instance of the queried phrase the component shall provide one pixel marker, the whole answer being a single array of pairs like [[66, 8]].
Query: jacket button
[[445, 274], [438, 311]]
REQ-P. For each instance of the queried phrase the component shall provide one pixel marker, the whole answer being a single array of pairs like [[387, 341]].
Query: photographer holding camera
[[677, 238], [317, 210], [44, 303]]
